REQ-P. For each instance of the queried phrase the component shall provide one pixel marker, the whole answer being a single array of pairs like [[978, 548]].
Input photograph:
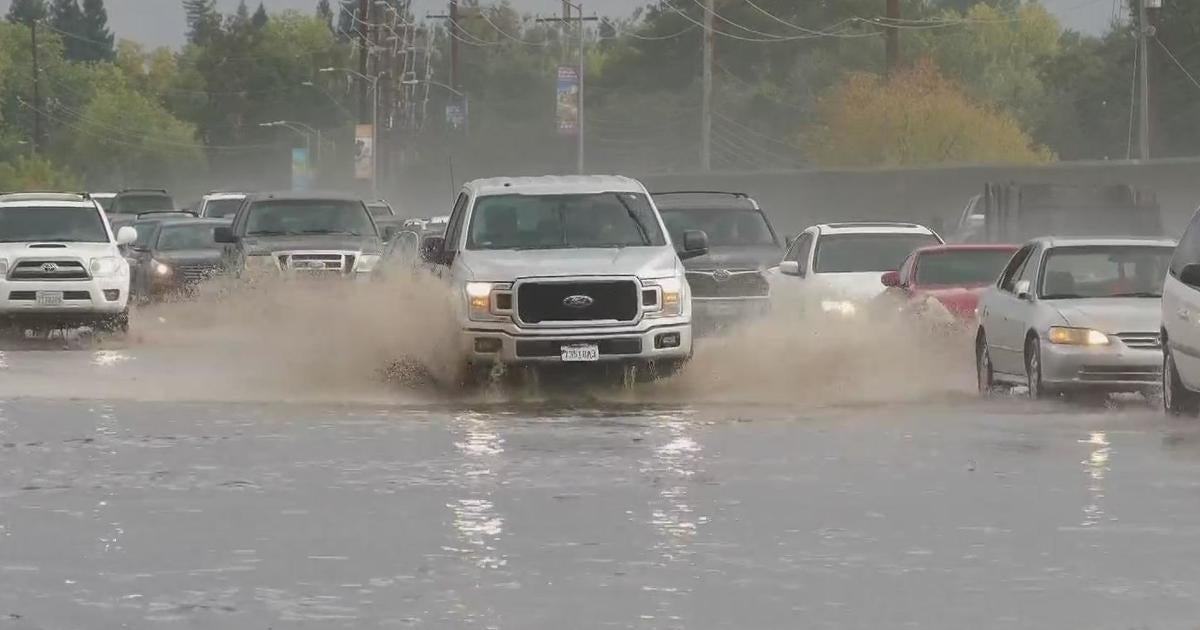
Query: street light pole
[[374, 81]]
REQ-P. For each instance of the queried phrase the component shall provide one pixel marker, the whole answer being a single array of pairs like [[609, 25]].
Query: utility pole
[[455, 35], [1147, 31], [893, 36], [36, 145], [578, 20], [361, 22], [706, 101]]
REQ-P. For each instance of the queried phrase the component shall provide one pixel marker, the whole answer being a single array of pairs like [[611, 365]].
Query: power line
[[1178, 63], [784, 22]]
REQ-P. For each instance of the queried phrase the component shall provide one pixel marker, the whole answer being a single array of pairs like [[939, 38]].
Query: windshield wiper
[[267, 233], [330, 232], [1063, 296], [636, 221], [1140, 294]]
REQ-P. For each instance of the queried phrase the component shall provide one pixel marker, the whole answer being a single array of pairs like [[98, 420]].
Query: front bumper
[[714, 313], [617, 344], [1114, 366], [84, 300]]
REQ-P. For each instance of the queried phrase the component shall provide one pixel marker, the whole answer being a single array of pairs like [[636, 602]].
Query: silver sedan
[[1075, 314]]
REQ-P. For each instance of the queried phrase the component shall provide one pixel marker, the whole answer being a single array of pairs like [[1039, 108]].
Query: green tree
[[912, 119], [203, 20], [67, 19], [325, 12], [259, 19], [26, 11], [35, 173], [98, 38]]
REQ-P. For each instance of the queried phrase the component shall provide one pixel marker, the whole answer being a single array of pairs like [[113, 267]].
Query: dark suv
[[312, 234], [729, 283], [141, 200]]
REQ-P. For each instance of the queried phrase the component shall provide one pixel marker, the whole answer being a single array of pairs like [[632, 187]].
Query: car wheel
[[1178, 400], [984, 374], [1033, 369]]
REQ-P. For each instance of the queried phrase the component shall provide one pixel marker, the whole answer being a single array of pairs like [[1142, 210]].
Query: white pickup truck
[[567, 270], [60, 263]]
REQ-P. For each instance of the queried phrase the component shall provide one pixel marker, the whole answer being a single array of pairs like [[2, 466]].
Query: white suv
[[60, 264], [220, 205], [840, 263], [555, 270], [1181, 325]]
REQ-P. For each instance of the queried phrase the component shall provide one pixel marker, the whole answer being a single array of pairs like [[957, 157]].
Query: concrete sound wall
[[797, 199]]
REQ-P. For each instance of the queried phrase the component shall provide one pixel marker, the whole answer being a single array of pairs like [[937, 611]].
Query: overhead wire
[[1177, 62]]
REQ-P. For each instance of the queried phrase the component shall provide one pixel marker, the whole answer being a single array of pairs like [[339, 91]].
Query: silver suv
[[556, 270], [1181, 325]]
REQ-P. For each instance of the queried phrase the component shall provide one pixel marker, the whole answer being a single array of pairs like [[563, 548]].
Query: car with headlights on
[[944, 282], [173, 256], [560, 271], [1070, 314], [301, 234], [837, 266], [60, 263], [729, 283]]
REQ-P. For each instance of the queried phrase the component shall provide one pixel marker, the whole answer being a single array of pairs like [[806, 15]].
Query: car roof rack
[[869, 224], [143, 190], [740, 195], [184, 212]]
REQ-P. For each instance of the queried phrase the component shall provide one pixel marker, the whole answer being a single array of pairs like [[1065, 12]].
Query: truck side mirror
[[433, 250], [389, 232], [695, 243], [1190, 275], [890, 279]]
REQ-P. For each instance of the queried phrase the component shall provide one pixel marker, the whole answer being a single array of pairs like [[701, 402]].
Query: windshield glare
[[294, 217], [134, 204], [725, 227], [1104, 272], [52, 224], [960, 268], [862, 253], [222, 208], [564, 221], [176, 237]]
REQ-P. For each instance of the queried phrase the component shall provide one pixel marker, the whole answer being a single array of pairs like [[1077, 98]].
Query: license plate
[[49, 298], [581, 352]]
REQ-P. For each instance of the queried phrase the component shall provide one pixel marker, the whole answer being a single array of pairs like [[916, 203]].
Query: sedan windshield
[[862, 253], [196, 236], [725, 227], [303, 216], [135, 204], [52, 224], [221, 208], [960, 267], [1104, 272], [564, 221]]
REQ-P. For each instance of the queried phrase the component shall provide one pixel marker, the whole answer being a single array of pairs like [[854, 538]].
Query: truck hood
[[189, 256], [260, 245], [503, 265], [735, 258], [13, 251], [1112, 315]]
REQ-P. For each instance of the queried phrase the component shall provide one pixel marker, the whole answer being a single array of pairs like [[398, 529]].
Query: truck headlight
[[671, 291], [160, 268], [1077, 336], [484, 300], [366, 263], [106, 266]]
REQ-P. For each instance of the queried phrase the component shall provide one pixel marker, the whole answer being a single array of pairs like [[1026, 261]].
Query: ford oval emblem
[[721, 275], [578, 301]]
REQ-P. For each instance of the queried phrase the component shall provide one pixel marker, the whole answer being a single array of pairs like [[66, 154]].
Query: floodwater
[[243, 468]]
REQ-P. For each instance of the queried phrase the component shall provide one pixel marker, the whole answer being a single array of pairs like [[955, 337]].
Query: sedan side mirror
[[1190, 275], [224, 234], [790, 268], [890, 278], [126, 235], [695, 243], [433, 249], [1023, 291]]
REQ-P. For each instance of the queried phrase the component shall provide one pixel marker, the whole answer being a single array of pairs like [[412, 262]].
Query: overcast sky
[[160, 22]]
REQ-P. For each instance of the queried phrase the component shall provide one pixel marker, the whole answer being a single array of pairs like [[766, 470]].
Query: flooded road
[[952, 513]]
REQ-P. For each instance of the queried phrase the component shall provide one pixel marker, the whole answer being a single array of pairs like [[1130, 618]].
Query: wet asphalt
[[138, 512]]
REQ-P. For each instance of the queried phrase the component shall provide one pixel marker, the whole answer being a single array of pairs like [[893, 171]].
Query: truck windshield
[[725, 227], [51, 224], [303, 216], [564, 221], [960, 267], [221, 208], [861, 253], [192, 236], [1104, 272]]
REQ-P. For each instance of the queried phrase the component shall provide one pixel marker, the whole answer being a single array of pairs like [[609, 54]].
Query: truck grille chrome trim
[[551, 302]]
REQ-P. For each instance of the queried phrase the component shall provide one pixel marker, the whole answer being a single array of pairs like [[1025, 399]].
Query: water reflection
[[476, 520], [108, 358], [1097, 467]]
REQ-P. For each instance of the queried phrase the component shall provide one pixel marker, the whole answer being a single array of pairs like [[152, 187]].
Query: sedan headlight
[[486, 299], [106, 266], [366, 263], [670, 303], [1077, 336], [160, 268], [839, 307]]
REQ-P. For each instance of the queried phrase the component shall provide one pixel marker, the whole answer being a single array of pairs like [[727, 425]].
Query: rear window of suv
[[55, 224], [862, 253], [134, 204]]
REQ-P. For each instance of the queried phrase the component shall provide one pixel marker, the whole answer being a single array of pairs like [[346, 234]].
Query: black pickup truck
[[309, 234]]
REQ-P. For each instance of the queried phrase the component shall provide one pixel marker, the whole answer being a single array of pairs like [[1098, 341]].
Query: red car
[[954, 275]]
